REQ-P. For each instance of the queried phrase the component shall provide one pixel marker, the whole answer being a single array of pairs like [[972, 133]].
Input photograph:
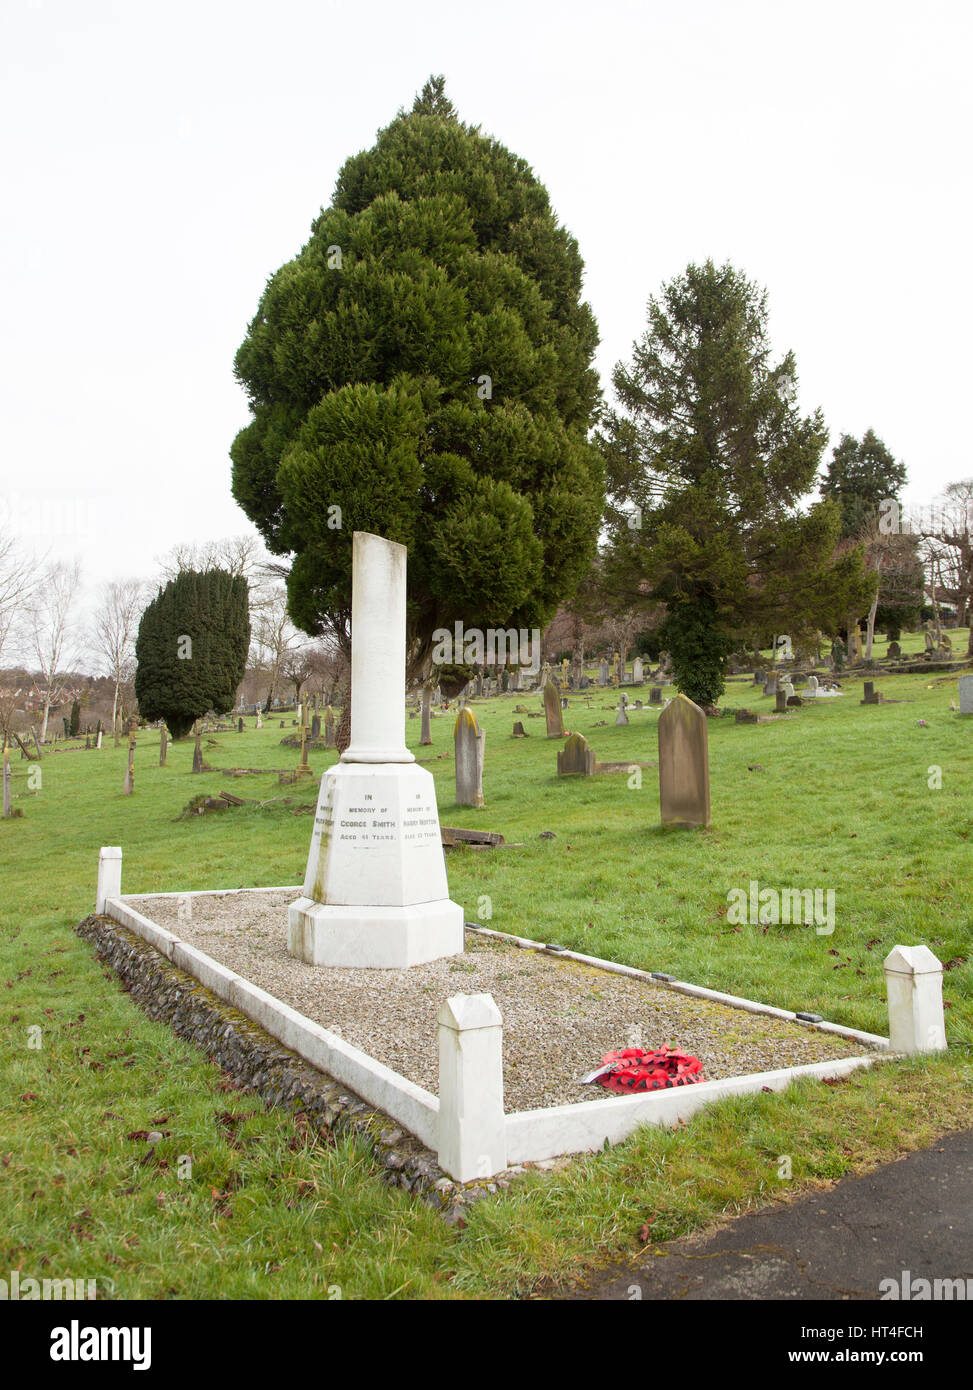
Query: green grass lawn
[[839, 796]]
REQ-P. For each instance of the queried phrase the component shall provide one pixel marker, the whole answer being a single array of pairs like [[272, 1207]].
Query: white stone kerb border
[[466, 1124]]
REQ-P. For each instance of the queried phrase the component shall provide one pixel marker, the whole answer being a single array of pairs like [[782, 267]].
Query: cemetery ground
[[835, 796]]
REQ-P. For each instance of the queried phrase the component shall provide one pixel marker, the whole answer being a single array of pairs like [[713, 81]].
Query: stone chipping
[[560, 1017]]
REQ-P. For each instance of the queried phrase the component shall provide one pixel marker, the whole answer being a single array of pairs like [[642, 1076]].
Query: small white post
[[914, 981], [472, 1128], [109, 876]]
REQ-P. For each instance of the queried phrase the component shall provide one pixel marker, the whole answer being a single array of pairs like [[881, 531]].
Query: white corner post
[[914, 981], [375, 891], [472, 1127], [109, 876]]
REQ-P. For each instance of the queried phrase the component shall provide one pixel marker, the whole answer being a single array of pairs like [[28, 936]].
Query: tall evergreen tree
[[191, 649], [422, 370], [861, 474], [707, 460]]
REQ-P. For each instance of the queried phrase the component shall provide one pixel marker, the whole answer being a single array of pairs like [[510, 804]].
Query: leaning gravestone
[[375, 892], [966, 694], [575, 759], [683, 764], [468, 748], [552, 711]]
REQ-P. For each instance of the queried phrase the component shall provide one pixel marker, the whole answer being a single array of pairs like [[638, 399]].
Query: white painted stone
[[472, 1127], [109, 875], [377, 652], [966, 694], [375, 891], [98, 744], [914, 981]]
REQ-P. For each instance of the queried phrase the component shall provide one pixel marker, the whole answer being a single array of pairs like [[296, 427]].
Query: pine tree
[[861, 474], [707, 461], [422, 370], [191, 648]]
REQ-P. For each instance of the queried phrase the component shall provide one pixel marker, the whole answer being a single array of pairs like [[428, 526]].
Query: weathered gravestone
[[812, 685], [260, 722], [781, 702], [894, 651], [638, 671], [375, 892], [683, 764], [575, 759], [519, 731], [872, 696], [552, 712], [621, 718], [603, 672], [198, 751], [239, 726], [966, 694], [655, 695], [163, 746], [316, 726], [468, 748], [770, 684], [745, 716]]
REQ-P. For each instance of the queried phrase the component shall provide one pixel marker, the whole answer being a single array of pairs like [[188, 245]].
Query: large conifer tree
[[424, 365], [191, 649], [711, 457]]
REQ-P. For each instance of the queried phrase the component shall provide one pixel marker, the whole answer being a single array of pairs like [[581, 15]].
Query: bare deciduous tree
[[120, 606], [56, 649], [18, 583]]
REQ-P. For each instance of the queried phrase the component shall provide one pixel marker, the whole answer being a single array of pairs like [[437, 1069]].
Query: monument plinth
[[375, 891]]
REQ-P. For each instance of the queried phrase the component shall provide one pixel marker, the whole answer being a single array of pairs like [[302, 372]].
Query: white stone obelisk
[[375, 891]]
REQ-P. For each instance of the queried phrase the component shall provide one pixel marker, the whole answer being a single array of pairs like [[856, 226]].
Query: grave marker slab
[[468, 748], [966, 694], [683, 764], [552, 712], [575, 759]]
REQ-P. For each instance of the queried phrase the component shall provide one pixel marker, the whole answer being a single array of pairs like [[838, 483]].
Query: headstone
[[760, 676], [966, 694], [198, 751], [303, 766], [129, 784], [812, 685], [98, 740], [519, 731], [564, 702], [552, 711], [163, 746], [781, 702], [930, 644], [575, 759], [638, 704], [794, 701], [745, 716], [316, 726], [894, 651], [788, 688], [683, 764], [638, 672], [655, 695], [468, 748], [260, 722], [505, 681], [770, 685], [239, 726], [478, 685], [621, 718], [603, 672], [375, 892], [871, 695]]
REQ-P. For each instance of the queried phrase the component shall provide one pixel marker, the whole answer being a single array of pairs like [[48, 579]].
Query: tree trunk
[[114, 712], [47, 711]]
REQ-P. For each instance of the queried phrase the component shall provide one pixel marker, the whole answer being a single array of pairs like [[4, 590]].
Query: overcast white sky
[[161, 160]]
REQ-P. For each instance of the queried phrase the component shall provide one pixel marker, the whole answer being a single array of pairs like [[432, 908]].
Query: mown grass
[[839, 796]]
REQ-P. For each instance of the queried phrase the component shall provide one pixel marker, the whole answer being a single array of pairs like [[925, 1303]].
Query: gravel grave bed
[[559, 1017]]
